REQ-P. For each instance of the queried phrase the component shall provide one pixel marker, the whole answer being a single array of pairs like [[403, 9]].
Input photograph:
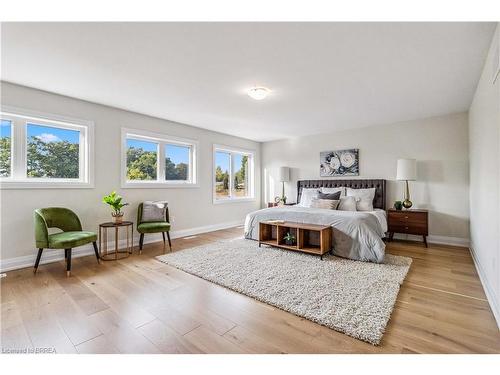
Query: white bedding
[[356, 234], [381, 216]]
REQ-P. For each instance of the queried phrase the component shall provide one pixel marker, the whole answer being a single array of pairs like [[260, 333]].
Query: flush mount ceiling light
[[258, 92]]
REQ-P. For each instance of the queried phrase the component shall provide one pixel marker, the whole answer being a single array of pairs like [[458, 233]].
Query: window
[[142, 159], [52, 152], [5, 148], [41, 150], [177, 161], [222, 161], [233, 174], [144, 166]]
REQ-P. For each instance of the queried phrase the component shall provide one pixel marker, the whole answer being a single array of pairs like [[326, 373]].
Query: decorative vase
[[398, 205], [118, 216], [290, 242]]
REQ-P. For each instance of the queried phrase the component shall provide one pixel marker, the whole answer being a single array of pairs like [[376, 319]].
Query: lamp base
[[407, 203]]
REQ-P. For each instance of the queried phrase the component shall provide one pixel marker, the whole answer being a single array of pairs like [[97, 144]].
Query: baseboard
[[442, 240], [50, 256], [494, 304]]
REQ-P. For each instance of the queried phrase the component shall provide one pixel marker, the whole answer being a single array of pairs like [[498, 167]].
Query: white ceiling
[[324, 76]]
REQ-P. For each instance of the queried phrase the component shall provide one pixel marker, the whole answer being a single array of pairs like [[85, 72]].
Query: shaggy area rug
[[352, 297]]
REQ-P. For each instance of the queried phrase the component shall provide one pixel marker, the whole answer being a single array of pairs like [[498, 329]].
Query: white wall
[[439, 144], [484, 140], [191, 208]]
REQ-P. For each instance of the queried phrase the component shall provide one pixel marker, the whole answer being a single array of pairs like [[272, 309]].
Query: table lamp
[[407, 171], [284, 176]]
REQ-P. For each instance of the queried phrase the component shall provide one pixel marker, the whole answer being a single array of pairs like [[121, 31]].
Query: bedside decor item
[[339, 163], [409, 222], [115, 201], [407, 171], [398, 205], [284, 176], [289, 239]]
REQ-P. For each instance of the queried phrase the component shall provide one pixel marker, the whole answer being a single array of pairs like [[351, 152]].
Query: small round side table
[[103, 240]]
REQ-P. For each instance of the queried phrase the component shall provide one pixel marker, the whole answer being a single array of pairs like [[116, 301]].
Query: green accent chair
[[70, 237], [153, 227]]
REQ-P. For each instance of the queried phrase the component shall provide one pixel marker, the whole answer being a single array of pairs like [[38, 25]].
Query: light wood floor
[[139, 305]]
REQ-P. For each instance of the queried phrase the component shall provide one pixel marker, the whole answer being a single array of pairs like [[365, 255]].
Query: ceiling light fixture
[[258, 92]]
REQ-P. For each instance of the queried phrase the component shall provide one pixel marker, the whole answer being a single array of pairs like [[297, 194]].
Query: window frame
[[251, 171], [162, 140], [18, 178]]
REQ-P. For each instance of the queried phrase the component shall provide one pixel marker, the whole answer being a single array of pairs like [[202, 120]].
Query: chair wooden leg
[[38, 257], [96, 251], [141, 241], [68, 263], [169, 242], [65, 253], [163, 235]]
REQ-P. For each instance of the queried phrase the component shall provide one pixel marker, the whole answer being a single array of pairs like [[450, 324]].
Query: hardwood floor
[[140, 305]]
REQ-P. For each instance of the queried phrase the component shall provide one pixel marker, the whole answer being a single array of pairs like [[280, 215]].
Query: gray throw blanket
[[356, 235]]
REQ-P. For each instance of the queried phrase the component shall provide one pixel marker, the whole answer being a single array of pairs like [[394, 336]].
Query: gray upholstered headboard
[[379, 185]]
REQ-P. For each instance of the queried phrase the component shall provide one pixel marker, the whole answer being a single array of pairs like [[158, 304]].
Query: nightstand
[[273, 204], [409, 222]]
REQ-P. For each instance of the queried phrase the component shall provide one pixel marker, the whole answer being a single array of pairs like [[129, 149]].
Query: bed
[[356, 234]]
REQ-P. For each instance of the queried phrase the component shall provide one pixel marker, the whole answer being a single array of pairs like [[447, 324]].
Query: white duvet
[[356, 235]]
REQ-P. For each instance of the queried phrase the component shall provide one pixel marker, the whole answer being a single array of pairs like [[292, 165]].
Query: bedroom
[[250, 187]]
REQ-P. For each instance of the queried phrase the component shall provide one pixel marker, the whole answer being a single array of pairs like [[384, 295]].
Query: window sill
[[19, 184], [233, 200], [157, 185]]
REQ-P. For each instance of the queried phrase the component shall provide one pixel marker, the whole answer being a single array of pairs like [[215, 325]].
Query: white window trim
[[161, 139], [251, 180], [18, 178]]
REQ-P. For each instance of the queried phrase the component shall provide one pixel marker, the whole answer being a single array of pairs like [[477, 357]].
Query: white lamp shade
[[284, 174], [407, 169]]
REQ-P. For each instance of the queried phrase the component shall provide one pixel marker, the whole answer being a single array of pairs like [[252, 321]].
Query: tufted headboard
[[379, 185]]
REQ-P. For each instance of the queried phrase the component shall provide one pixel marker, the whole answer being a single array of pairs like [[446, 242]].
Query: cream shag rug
[[349, 296]]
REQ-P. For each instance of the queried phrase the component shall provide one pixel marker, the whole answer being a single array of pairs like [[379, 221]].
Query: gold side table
[[103, 240]]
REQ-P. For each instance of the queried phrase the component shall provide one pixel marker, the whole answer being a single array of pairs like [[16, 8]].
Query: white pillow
[[308, 194], [329, 204], [326, 190], [347, 204], [364, 198]]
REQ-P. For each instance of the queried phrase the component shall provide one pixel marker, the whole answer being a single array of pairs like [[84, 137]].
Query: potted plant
[[289, 239], [398, 205], [115, 201]]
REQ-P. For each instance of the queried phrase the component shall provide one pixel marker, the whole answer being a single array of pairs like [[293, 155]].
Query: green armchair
[[70, 237], [153, 227]]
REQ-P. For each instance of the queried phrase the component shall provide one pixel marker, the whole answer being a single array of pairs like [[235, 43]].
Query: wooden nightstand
[[408, 221], [273, 204]]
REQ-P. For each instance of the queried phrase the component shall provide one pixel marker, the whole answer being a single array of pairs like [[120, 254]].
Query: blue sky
[[177, 154], [222, 160], [237, 162], [5, 129], [50, 134]]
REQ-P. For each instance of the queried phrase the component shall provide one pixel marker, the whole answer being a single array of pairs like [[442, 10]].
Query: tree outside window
[[52, 152]]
